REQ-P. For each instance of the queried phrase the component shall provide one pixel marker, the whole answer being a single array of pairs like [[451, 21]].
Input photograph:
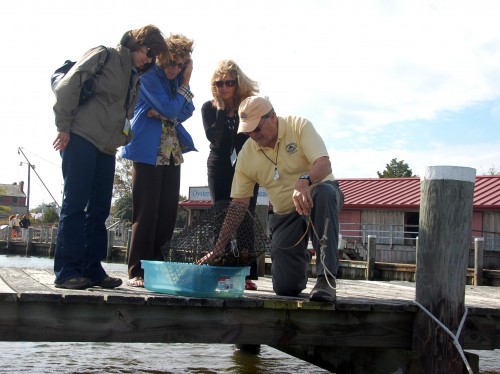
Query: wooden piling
[[109, 250], [9, 237], [478, 261], [261, 211], [29, 242], [53, 240], [446, 196], [129, 238], [371, 257]]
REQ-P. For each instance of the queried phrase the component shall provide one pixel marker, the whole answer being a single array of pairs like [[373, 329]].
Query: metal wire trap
[[195, 243]]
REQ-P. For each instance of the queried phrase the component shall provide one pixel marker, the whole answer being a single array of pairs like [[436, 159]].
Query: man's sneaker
[[108, 282], [322, 291], [76, 283]]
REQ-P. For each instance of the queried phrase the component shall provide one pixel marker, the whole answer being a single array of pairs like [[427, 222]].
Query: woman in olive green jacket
[[88, 137]]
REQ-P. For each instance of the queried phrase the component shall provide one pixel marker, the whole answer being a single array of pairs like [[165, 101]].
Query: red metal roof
[[196, 204], [404, 193], [381, 193], [487, 192], [396, 193]]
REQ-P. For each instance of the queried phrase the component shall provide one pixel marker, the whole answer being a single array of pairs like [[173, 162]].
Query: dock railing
[[405, 235]]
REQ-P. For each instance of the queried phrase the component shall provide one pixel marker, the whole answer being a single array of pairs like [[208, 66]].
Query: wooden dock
[[370, 324], [375, 326]]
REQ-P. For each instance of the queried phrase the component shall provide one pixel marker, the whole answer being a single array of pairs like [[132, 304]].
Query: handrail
[[404, 235]]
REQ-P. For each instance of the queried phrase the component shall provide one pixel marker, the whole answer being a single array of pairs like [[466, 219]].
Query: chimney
[[21, 186]]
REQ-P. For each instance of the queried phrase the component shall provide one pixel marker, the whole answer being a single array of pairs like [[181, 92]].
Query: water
[[41, 357], [144, 358]]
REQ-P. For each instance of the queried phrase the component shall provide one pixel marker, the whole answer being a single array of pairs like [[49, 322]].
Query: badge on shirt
[[276, 175]]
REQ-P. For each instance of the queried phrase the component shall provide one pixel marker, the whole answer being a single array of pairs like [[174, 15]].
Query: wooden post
[[261, 211], [129, 238], [44, 235], [416, 260], [53, 240], [478, 261], [29, 242], [371, 257], [446, 195], [111, 239], [9, 236]]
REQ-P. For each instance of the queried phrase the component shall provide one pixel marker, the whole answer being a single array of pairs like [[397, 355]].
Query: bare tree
[[493, 170]]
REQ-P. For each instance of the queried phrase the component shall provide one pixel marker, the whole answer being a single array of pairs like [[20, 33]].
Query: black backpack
[[87, 90]]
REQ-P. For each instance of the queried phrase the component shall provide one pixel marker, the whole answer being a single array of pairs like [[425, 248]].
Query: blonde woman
[[229, 85]]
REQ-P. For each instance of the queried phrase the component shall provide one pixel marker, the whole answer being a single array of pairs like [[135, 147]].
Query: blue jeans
[[81, 236]]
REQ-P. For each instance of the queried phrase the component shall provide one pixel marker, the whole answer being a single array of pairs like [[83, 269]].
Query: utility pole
[[30, 165]]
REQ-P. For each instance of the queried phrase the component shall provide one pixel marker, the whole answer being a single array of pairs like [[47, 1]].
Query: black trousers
[[155, 195]]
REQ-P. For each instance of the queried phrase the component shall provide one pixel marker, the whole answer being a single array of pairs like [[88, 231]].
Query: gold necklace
[[276, 175]]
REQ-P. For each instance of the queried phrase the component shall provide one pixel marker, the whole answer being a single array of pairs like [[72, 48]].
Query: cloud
[[365, 162], [379, 79]]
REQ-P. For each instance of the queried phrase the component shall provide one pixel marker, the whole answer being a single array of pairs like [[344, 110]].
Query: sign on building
[[203, 193]]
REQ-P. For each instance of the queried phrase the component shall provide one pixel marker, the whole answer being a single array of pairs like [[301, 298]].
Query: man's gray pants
[[289, 254]]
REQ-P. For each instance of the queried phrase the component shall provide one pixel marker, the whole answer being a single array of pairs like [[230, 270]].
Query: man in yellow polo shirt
[[289, 158]]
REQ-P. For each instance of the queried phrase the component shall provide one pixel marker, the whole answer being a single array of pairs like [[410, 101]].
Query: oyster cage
[[195, 244]]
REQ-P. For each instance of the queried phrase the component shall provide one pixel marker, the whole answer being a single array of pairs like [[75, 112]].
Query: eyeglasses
[[260, 124], [229, 83], [172, 63], [149, 53]]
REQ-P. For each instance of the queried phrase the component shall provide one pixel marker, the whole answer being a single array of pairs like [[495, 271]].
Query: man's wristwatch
[[306, 176]]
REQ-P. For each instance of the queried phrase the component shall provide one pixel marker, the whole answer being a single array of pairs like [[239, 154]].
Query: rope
[[322, 242], [303, 235], [456, 343]]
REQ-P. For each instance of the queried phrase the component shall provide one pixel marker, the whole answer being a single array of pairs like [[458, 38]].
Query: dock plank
[[19, 280], [6, 293], [366, 314]]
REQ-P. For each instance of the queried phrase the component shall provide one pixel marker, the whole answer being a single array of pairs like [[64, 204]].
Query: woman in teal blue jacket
[[165, 101]]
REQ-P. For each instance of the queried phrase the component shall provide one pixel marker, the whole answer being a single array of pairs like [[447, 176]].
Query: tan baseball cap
[[250, 111]]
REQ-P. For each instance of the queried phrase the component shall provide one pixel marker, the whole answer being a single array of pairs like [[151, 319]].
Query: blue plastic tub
[[177, 278]]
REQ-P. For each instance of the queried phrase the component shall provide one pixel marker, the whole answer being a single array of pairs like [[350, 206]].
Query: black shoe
[[76, 283], [323, 291], [253, 349], [108, 282]]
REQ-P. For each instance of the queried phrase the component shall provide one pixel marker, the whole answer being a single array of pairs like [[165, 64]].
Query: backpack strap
[[101, 66]]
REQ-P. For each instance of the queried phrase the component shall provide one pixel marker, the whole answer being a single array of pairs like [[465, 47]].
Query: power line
[[30, 165], [42, 158]]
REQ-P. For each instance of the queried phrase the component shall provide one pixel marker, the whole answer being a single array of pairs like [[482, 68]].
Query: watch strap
[[306, 176]]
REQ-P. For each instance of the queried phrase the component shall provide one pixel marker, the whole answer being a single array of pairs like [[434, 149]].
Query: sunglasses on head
[[228, 83], [172, 63]]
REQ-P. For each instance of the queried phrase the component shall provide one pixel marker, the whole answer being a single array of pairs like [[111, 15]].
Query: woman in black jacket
[[220, 119]]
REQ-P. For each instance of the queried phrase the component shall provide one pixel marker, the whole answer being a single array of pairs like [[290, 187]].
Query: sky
[[418, 81]]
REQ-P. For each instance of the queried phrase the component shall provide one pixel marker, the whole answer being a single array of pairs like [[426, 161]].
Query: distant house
[[13, 198]]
